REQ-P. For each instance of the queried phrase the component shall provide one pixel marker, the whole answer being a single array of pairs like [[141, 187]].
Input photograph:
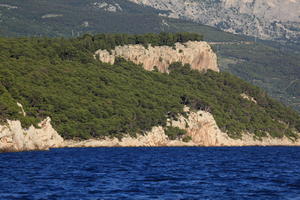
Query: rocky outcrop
[[198, 54], [266, 19], [204, 131], [15, 138], [249, 98], [109, 7]]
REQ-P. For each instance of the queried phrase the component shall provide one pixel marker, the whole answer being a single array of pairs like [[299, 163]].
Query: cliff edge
[[198, 54]]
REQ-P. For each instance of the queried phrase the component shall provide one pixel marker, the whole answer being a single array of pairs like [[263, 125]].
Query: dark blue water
[[152, 173]]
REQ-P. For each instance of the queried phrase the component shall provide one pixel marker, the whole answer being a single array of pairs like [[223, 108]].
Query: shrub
[[187, 138], [174, 133]]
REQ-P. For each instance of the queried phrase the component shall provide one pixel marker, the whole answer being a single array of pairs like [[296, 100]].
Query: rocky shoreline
[[200, 126]]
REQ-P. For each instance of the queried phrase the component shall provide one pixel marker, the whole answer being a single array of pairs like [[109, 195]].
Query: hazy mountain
[[266, 19], [75, 17]]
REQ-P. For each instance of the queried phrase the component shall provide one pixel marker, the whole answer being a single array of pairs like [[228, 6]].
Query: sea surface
[[152, 173]]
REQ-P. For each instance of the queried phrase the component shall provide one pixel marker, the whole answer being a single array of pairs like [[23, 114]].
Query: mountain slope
[[280, 78], [271, 19], [85, 98], [74, 17]]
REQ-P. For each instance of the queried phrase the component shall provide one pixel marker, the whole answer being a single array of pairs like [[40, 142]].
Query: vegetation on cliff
[[86, 98]]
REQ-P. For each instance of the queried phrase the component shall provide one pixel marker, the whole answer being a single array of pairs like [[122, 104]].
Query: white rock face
[[51, 16], [14, 138], [8, 6], [198, 54], [249, 98], [266, 19], [203, 129]]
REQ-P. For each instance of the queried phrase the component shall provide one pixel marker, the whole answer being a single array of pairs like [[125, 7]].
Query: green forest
[[59, 78]]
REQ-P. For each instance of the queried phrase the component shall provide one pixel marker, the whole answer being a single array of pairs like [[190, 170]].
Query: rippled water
[[152, 173]]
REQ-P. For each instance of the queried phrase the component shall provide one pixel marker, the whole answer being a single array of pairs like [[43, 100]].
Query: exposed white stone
[[15, 138], [51, 16], [22, 110], [247, 97], [8, 6], [109, 7], [85, 24], [198, 54]]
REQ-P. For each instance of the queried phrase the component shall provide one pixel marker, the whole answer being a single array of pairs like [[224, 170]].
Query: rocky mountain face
[[198, 54], [265, 19]]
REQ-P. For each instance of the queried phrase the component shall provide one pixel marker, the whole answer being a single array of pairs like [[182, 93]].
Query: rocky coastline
[[200, 126]]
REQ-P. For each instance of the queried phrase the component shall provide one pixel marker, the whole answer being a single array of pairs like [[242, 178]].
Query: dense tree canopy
[[86, 98]]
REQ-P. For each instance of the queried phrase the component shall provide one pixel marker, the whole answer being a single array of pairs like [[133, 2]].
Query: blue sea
[[152, 173]]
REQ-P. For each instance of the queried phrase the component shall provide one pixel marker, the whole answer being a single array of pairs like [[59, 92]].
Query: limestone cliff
[[15, 138], [204, 131], [198, 54]]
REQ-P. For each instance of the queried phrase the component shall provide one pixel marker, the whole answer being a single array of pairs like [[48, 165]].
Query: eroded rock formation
[[198, 54], [15, 138]]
